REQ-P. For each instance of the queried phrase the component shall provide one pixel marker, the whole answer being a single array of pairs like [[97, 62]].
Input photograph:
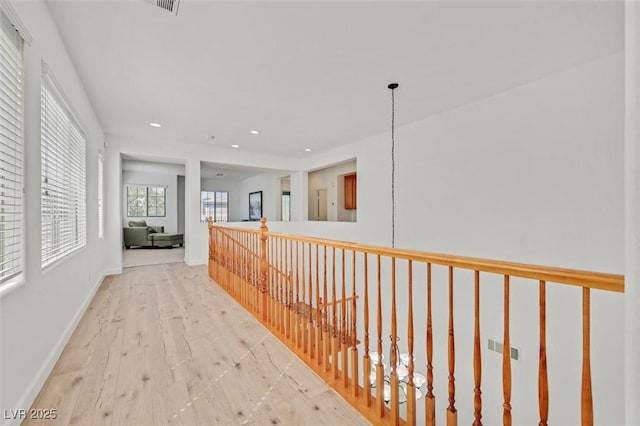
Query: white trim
[[13, 284], [196, 262], [114, 271], [56, 89], [15, 20], [38, 381]]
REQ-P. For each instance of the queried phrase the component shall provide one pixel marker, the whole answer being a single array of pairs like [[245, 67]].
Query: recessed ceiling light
[[307, 149], [235, 146], [255, 132], [154, 124]]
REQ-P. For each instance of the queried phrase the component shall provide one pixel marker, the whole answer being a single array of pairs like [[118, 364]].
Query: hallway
[[164, 345]]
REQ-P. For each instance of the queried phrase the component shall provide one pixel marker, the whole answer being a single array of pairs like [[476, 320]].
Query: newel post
[[264, 269]]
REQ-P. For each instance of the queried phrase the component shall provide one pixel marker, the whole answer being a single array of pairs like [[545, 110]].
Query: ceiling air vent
[[169, 5]]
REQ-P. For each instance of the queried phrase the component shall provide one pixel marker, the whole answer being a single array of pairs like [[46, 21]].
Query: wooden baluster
[[506, 359], [303, 322], [292, 327], [334, 334], [586, 397], [278, 289], [256, 272], [343, 326], [287, 301], [318, 329], [278, 274], [229, 262], [477, 357], [430, 399], [352, 335], [411, 389], [543, 382], [326, 346], [379, 366], [298, 316], [310, 318], [452, 413], [366, 361], [395, 391], [272, 282]]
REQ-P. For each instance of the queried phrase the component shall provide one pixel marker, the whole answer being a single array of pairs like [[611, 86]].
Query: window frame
[[100, 195], [146, 199], [63, 175], [15, 274], [203, 213]]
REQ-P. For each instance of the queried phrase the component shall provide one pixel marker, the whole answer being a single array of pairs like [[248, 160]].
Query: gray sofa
[[138, 234]]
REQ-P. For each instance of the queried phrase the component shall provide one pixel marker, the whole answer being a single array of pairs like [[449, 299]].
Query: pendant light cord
[[393, 169], [393, 86]]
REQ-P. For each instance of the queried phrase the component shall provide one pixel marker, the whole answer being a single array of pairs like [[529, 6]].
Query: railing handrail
[[585, 279]]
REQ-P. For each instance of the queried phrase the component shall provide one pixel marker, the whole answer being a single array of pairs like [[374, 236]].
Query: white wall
[[37, 318], [158, 178], [332, 179], [237, 201], [531, 175], [632, 213], [270, 186]]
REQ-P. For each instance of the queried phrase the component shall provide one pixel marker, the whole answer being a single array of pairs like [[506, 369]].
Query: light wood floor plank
[[163, 345]]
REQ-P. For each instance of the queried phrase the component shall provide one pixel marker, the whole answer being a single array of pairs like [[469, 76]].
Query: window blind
[[100, 196], [11, 150], [63, 168]]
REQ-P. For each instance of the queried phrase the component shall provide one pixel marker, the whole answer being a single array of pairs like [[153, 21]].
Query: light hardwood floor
[[147, 256], [163, 345]]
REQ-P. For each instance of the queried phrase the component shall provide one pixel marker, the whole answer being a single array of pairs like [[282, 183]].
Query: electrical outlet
[[498, 347]]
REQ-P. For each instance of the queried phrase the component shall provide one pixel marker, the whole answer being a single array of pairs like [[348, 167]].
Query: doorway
[[322, 204]]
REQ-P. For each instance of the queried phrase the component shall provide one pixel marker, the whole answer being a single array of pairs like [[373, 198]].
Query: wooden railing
[[334, 303]]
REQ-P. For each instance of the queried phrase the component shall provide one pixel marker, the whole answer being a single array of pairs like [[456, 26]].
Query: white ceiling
[[155, 167], [314, 74], [211, 170]]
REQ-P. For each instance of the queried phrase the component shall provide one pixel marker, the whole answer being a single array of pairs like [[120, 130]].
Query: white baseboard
[[195, 262], [115, 271], [36, 384]]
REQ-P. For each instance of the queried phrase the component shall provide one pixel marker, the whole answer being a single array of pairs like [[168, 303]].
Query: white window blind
[[63, 145], [11, 150], [100, 196]]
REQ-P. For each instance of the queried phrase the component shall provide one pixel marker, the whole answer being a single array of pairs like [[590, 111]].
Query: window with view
[[214, 204], [146, 201], [11, 151], [63, 169]]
